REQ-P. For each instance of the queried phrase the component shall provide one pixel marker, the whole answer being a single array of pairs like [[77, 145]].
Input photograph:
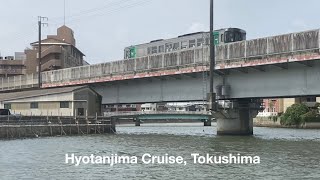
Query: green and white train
[[186, 41]]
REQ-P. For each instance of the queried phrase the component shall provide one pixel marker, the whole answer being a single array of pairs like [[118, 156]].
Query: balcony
[[51, 50], [51, 64], [13, 71]]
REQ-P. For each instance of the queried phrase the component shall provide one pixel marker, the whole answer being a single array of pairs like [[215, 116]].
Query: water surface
[[284, 153]]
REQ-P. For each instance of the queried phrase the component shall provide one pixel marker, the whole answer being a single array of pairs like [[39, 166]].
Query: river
[[284, 154]]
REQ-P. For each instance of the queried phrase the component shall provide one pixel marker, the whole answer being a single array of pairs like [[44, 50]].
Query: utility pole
[[212, 96], [40, 23]]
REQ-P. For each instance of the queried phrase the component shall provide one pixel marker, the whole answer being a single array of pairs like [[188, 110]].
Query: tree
[[293, 115]]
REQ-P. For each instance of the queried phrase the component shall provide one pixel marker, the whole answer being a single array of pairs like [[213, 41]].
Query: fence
[[35, 126]]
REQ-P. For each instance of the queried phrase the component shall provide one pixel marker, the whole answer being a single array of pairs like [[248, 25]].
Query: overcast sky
[[104, 27]]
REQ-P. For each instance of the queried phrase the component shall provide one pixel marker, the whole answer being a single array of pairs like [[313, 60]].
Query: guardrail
[[18, 119], [132, 113], [287, 44]]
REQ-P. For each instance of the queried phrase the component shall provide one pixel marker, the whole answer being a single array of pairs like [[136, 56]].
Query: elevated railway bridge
[[279, 66]]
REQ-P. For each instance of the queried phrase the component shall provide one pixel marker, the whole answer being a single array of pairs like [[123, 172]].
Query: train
[[185, 41]]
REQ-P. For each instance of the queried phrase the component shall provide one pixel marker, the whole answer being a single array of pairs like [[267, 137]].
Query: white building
[[149, 107]]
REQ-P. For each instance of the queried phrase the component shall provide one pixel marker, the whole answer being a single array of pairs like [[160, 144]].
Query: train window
[[127, 53], [168, 47], [176, 46], [184, 44], [207, 41], [200, 42], [237, 36], [161, 49], [243, 36], [229, 37], [154, 50], [240, 36], [149, 50], [192, 43]]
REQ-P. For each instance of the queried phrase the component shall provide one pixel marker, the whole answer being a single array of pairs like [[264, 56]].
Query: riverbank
[[275, 123]]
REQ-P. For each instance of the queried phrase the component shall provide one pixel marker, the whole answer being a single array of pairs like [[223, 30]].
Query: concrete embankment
[[37, 127], [275, 123]]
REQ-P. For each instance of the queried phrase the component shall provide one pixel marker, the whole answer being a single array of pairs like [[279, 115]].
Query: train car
[[185, 41]]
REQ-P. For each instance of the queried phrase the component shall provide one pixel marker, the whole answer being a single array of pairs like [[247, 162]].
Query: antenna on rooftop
[[64, 12]]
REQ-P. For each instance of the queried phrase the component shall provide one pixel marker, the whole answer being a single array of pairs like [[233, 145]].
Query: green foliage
[[293, 115], [275, 118], [311, 116]]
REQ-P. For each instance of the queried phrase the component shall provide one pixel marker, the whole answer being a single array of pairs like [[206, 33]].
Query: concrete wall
[[47, 105], [44, 109], [275, 45], [154, 90], [266, 122], [297, 80], [89, 100]]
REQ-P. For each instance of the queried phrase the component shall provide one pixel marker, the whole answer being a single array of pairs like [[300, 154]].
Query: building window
[[57, 56], [34, 105], [7, 106], [64, 104]]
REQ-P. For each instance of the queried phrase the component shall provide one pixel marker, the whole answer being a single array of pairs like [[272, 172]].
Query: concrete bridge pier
[[238, 119], [113, 125]]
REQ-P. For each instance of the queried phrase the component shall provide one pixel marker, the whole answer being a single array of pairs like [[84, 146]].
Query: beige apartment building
[[274, 107], [10, 67], [57, 52]]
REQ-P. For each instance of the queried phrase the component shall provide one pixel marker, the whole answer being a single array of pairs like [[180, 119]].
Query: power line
[[116, 9], [121, 5], [93, 10], [24, 35], [81, 12]]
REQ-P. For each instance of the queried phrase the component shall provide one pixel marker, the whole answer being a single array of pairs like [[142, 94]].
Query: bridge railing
[[19, 82], [276, 46], [183, 58], [131, 113]]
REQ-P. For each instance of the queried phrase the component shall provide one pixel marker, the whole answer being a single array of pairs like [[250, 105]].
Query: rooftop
[[38, 92]]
